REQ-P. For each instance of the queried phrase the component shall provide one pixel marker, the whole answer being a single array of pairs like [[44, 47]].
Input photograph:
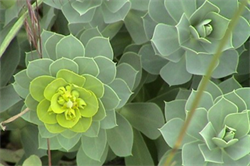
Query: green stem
[[14, 30], [205, 81]]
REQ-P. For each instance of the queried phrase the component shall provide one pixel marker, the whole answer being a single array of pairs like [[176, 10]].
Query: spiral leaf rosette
[[219, 130], [74, 85], [190, 33], [85, 11]]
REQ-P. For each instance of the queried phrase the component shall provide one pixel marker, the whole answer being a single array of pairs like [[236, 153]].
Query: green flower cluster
[[219, 131], [66, 101]]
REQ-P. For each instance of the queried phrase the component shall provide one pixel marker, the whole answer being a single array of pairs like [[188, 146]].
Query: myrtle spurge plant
[[117, 82], [189, 34], [219, 131], [71, 92]]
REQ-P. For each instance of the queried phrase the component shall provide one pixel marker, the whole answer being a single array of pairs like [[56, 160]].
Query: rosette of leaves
[[219, 131], [85, 14], [73, 92], [189, 33]]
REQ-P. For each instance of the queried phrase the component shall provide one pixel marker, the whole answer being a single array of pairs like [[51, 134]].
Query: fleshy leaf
[[127, 73], [110, 99], [191, 154], [63, 63], [71, 77], [206, 100], [66, 143], [92, 104], [31, 103], [120, 138], [38, 86], [244, 93], [22, 79], [93, 130], [218, 112], [44, 114], [198, 63], [52, 87], [229, 85], [207, 134], [109, 121], [87, 66], [165, 41], [175, 109], [239, 149], [95, 147], [140, 151], [176, 8], [240, 122], [228, 64], [222, 143], [94, 84], [150, 62], [9, 97], [50, 45], [83, 159], [170, 132], [82, 125], [107, 69], [145, 117], [199, 121], [99, 46], [54, 128], [214, 156], [122, 90], [69, 47], [101, 113], [134, 25], [38, 67], [62, 121], [171, 73]]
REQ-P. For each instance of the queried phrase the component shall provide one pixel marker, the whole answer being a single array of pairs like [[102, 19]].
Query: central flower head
[[70, 101], [67, 101]]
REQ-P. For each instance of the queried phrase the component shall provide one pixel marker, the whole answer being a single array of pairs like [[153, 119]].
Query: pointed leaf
[[218, 112], [69, 47], [66, 143], [87, 66], [107, 69], [120, 138], [140, 151], [175, 109], [145, 117], [191, 154], [171, 73], [83, 159], [63, 63], [109, 121], [110, 99], [170, 132], [213, 156], [127, 73], [38, 67], [239, 149], [99, 46], [122, 90], [95, 147], [50, 45], [38, 85], [240, 122]]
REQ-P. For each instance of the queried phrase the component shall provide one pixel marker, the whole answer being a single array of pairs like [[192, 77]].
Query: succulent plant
[[73, 93], [189, 33], [219, 131]]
